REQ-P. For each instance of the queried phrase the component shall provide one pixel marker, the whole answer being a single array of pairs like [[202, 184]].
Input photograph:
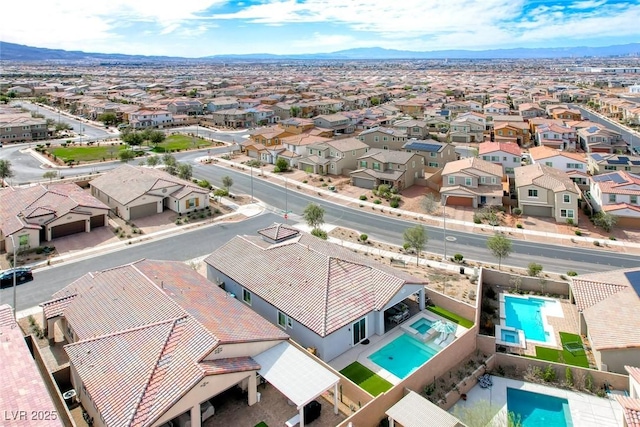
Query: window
[[566, 213], [515, 160], [627, 168], [634, 200], [353, 153], [433, 154], [452, 180], [495, 158], [612, 198], [504, 158], [413, 164], [433, 164], [376, 166], [363, 163], [376, 139], [494, 180], [550, 164], [508, 170], [385, 139], [483, 180], [574, 165], [566, 198], [468, 181], [282, 320], [533, 193], [610, 168], [246, 296], [385, 147], [192, 203]]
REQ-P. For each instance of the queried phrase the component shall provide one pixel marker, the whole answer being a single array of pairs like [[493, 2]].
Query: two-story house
[[383, 138], [398, 169], [556, 136], [506, 154], [339, 123], [599, 139], [496, 108], [465, 130], [418, 129], [530, 111], [517, 132], [222, 103], [599, 163], [547, 192], [333, 157], [145, 119], [190, 107], [472, 182], [436, 154], [617, 193], [573, 164], [232, 118], [22, 129]]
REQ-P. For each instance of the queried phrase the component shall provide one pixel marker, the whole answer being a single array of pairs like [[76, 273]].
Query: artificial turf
[[466, 323], [579, 358], [366, 378]]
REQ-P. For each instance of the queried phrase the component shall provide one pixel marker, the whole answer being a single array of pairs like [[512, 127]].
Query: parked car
[[206, 411], [22, 275]]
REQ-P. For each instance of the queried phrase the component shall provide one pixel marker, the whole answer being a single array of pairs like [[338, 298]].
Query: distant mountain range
[[18, 52]]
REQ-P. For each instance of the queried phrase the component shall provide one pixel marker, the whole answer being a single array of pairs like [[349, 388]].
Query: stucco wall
[[502, 278], [616, 359]]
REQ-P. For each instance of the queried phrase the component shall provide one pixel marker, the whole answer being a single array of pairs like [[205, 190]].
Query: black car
[[22, 275]]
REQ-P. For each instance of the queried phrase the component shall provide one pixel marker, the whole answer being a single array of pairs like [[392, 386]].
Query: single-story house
[[33, 215], [323, 295], [135, 192]]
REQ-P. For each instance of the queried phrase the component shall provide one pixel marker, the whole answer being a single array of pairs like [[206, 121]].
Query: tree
[[156, 137], [169, 160], [153, 161], [227, 182], [314, 215], [63, 126], [282, 164], [133, 138], [605, 220], [375, 101], [204, 184], [533, 269], [5, 170], [295, 111], [416, 238], [185, 171], [50, 175], [500, 247], [126, 155], [108, 118]]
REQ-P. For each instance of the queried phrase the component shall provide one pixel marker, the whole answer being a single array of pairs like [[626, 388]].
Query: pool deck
[[361, 352], [586, 410]]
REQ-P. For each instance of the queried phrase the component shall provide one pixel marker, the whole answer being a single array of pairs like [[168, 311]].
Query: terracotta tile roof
[[634, 372], [20, 206], [389, 156], [128, 182], [226, 366], [56, 307], [319, 284], [278, 232], [545, 177], [630, 409], [506, 147], [466, 165], [544, 152], [22, 387], [609, 304], [618, 182]]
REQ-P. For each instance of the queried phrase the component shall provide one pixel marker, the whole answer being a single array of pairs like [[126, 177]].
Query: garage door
[[459, 201], [364, 183], [627, 222], [537, 210], [67, 229], [97, 221], [143, 210]]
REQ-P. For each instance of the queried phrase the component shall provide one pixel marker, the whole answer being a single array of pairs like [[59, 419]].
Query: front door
[[359, 330]]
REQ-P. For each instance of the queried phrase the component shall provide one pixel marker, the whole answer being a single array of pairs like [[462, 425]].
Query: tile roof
[[22, 387], [506, 147], [545, 177], [278, 232], [319, 284], [630, 409], [145, 329], [618, 182], [20, 206], [544, 152], [389, 156], [609, 304], [464, 165], [634, 372], [128, 182]]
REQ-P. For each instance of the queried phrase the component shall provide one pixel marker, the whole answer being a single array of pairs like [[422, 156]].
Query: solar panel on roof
[[634, 279], [617, 178], [423, 147], [616, 162], [597, 156], [624, 159], [635, 162]]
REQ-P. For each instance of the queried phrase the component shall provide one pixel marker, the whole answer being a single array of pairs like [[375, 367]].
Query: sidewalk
[[451, 223]]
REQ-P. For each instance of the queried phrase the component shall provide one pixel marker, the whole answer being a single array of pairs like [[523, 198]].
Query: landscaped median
[[366, 378]]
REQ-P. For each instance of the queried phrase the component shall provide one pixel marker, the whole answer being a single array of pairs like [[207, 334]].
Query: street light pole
[[251, 183], [286, 202], [444, 224], [15, 310]]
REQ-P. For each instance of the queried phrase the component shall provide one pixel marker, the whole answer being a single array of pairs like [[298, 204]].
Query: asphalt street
[[631, 137]]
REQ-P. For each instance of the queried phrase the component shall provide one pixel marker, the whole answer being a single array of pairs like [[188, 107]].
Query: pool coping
[[522, 343], [544, 313]]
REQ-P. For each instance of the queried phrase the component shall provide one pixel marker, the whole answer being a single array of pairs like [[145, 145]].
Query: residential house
[[172, 337], [18, 128], [222, 103], [296, 146], [506, 154], [617, 193], [630, 402], [530, 111], [607, 304], [559, 112], [339, 123], [31, 216], [297, 125], [556, 136], [466, 130], [496, 108], [418, 129], [333, 157], [598, 139], [517, 132], [383, 138], [22, 382], [190, 107], [327, 297], [599, 163], [436, 154], [397, 169], [472, 182], [411, 107], [233, 118], [144, 119], [575, 165], [135, 192], [547, 192]]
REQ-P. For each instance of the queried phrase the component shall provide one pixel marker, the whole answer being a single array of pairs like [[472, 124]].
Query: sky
[[198, 28]]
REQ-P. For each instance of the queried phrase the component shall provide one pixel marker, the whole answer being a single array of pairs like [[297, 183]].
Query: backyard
[[572, 352], [366, 379]]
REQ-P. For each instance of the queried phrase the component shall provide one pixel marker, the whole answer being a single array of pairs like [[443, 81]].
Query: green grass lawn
[[579, 358], [180, 142], [466, 323], [366, 378], [88, 153]]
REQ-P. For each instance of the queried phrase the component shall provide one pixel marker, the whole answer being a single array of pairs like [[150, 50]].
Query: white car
[[206, 411]]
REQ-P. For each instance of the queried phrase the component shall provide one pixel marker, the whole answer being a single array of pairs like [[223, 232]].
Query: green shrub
[[318, 232], [406, 246], [458, 258], [518, 225], [549, 374], [612, 238], [276, 169], [363, 197], [377, 201], [570, 221], [568, 376], [578, 233], [394, 203], [533, 269], [596, 243], [363, 237], [517, 211], [588, 383], [571, 273], [490, 293], [477, 219], [304, 181]]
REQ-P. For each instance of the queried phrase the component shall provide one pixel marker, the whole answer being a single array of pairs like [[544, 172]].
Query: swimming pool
[[538, 410], [526, 314], [403, 355], [422, 325], [510, 337]]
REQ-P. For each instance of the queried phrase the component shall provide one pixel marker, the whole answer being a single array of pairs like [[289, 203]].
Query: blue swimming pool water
[[509, 336], [538, 410], [402, 355], [422, 325], [524, 314]]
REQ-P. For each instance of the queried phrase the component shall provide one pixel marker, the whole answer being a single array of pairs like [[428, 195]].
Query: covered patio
[[296, 375], [414, 410]]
